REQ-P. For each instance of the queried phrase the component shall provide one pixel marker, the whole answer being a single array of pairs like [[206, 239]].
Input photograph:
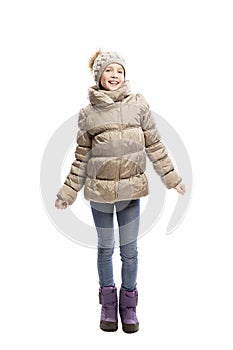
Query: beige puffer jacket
[[116, 131]]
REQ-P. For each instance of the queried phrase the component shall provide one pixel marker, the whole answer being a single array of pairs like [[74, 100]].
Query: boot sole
[[108, 326], [130, 328]]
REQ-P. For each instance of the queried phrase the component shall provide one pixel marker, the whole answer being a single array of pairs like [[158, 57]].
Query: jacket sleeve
[[76, 177], [155, 149]]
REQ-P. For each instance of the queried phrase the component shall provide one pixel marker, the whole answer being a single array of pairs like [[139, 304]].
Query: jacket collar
[[97, 96]]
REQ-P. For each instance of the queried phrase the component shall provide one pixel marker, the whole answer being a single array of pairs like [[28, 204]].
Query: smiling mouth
[[113, 82]]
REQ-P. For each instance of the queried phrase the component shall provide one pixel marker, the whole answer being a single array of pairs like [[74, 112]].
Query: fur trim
[[92, 59]]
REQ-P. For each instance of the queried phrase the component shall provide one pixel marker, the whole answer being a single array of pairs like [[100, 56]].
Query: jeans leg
[[103, 219], [128, 220]]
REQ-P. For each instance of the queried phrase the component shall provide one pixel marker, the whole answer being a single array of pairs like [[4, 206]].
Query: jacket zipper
[[119, 160]]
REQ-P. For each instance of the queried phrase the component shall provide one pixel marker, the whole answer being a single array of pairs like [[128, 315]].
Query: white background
[[179, 56]]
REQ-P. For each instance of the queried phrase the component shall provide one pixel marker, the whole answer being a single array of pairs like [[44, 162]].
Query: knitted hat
[[100, 60]]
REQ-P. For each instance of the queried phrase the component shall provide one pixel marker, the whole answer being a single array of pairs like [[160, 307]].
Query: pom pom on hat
[[92, 59], [100, 60]]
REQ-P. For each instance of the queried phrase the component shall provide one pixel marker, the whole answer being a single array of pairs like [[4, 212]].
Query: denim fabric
[[128, 213]]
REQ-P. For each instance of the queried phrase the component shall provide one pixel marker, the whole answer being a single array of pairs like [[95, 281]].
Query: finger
[[180, 190]]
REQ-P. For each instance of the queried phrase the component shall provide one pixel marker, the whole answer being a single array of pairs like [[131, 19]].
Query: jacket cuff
[[171, 180], [67, 194]]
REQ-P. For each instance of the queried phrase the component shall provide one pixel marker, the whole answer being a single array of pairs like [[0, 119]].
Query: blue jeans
[[127, 213]]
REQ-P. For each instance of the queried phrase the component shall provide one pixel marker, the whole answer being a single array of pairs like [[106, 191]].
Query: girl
[[116, 131]]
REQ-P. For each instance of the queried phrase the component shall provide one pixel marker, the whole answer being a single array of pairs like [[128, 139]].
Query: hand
[[180, 188], [60, 204]]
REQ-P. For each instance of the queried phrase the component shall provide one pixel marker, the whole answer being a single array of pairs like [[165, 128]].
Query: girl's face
[[112, 77]]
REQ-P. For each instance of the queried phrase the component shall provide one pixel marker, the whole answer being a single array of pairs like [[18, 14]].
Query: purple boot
[[108, 299], [127, 308]]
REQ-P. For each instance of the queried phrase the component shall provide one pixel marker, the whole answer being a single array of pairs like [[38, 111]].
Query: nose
[[114, 74]]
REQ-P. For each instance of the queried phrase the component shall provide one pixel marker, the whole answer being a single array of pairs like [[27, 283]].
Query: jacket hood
[[97, 96]]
